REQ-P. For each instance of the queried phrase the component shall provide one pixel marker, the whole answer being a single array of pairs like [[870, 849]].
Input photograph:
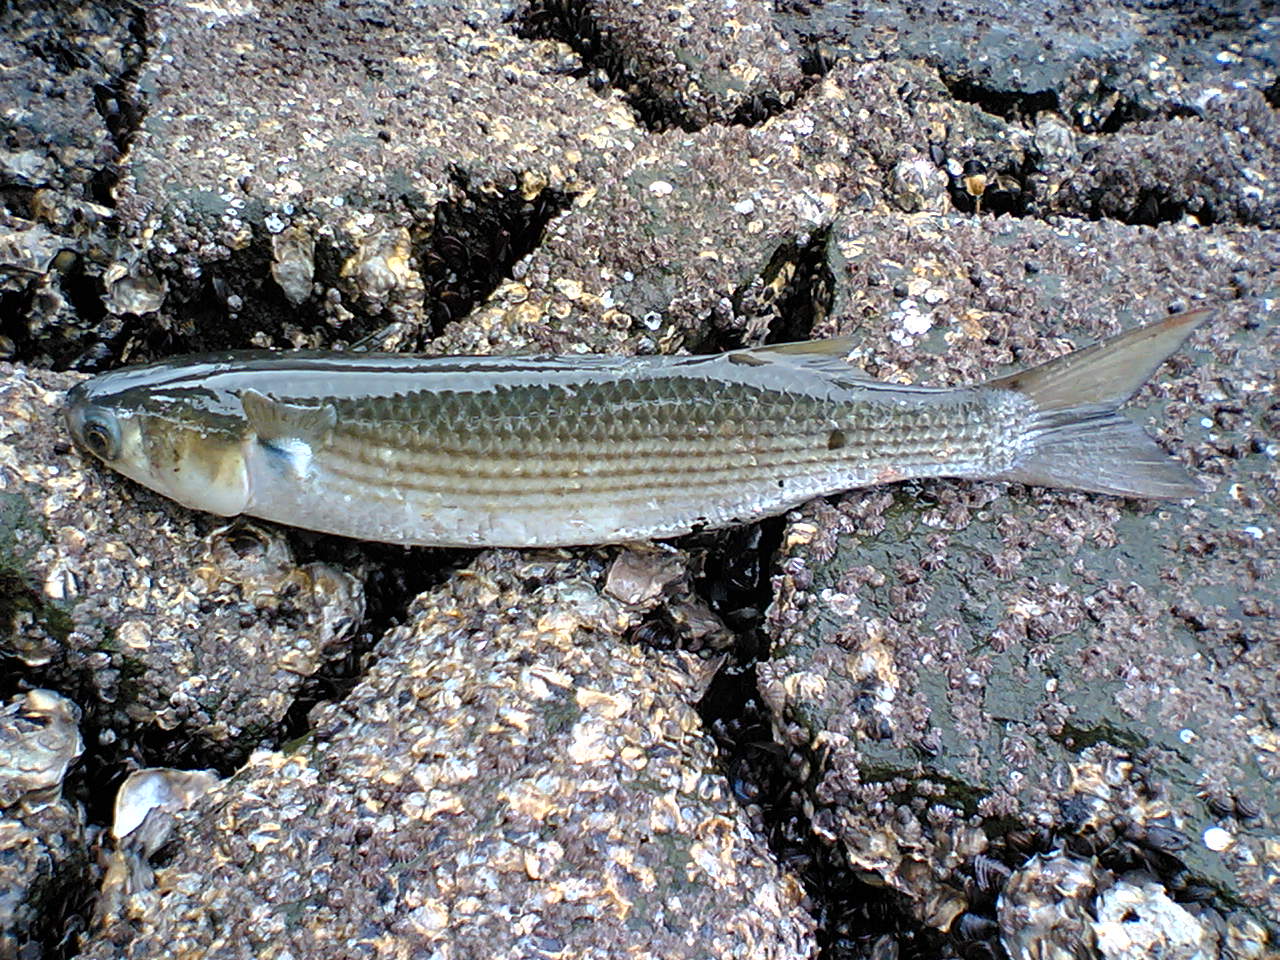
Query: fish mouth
[[76, 403]]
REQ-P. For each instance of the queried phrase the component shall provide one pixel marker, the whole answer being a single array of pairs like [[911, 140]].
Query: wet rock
[[1137, 919], [1169, 102], [1044, 909], [1100, 63], [43, 859], [711, 239], [1216, 166], [987, 673], [510, 772], [142, 823], [165, 628], [39, 740], [64, 66], [63, 74]]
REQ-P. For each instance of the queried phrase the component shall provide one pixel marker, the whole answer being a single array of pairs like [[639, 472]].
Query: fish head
[[179, 444]]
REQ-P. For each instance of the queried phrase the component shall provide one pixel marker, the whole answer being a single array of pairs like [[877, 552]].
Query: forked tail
[[1078, 440]]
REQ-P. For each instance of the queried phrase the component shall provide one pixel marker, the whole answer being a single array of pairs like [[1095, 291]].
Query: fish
[[540, 451]]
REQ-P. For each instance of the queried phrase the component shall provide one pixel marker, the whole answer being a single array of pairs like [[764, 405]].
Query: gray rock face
[[43, 848], [510, 772], [979, 664], [426, 126], [707, 61]]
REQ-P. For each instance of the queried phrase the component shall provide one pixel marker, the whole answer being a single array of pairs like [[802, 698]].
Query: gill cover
[[201, 470]]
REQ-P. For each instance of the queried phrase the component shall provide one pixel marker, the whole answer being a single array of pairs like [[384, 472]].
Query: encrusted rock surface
[[163, 624], [730, 64], [510, 773], [1018, 714], [43, 846], [986, 671]]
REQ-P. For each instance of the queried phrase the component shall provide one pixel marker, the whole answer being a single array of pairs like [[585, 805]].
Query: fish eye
[[102, 435]]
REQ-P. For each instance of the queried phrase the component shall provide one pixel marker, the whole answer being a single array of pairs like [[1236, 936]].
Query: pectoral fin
[[279, 421]]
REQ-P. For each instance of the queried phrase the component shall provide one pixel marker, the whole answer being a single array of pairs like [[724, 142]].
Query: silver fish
[[543, 451]]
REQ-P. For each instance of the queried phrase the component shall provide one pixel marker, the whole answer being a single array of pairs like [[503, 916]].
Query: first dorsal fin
[[274, 420], [828, 355]]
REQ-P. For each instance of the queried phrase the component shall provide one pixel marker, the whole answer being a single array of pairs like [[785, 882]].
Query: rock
[[973, 684], [412, 164], [63, 74], [42, 836], [721, 236], [1101, 64], [1213, 167], [142, 823], [39, 740], [686, 65], [1045, 906], [988, 673], [1137, 919], [162, 622], [509, 772]]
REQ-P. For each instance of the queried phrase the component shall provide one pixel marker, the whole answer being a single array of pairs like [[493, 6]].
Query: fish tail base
[[1077, 440]]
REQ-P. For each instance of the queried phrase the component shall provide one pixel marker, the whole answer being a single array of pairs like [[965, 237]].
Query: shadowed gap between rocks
[[1021, 106], [607, 63], [393, 577], [793, 293], [1272, 93], [122, 108], [472, 246], [475, 242], [772, 782], [782, 303], [26, 317], [1012, 105], [1004, 189]]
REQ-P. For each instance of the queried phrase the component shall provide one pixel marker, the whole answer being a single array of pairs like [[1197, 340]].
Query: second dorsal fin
[[828, 355]]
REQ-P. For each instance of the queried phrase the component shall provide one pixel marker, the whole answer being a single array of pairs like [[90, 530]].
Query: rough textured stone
[[395, 142], [43, 848], [687, 64], [164, 624], [977, 663], [1079, 719], [721, 236], [509, 773], [1102, 64]]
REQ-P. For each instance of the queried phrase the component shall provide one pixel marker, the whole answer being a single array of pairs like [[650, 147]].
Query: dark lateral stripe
[[450, 480]]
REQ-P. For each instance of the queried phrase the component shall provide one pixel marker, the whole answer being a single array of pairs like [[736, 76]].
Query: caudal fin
[[1078, 440]]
